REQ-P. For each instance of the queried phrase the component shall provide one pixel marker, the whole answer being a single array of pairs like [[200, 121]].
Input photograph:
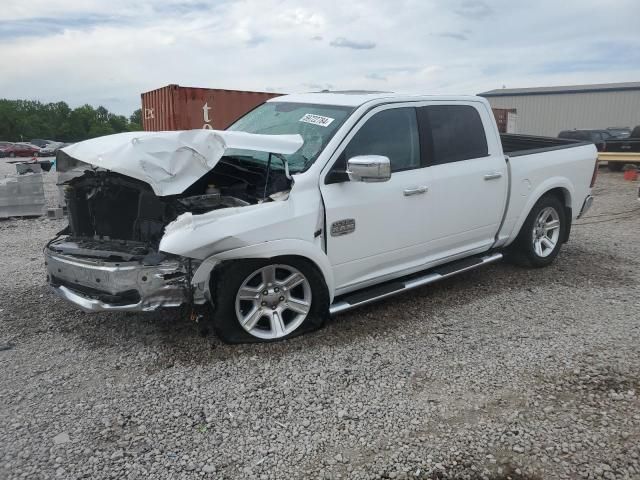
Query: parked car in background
[[50, 149], [619, 132], [628, 150], [39, 142], [351, 198], [20, 150], [598, 137]]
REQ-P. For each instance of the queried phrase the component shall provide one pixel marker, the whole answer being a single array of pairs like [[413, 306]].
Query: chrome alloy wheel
[[273, 301], [546, 232]]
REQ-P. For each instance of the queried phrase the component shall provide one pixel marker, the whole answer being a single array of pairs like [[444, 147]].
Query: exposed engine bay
[[115, 217]]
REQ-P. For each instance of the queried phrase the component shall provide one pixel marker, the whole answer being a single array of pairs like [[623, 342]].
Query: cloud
[[45, 26], [343, 42], [302, 17], [474, 9], [319, 86], [101, 52], [376, 76], [454, 35], [180, 7]]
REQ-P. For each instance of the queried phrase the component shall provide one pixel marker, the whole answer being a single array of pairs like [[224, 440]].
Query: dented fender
[[200, 236], [270, 249], [282, 227]]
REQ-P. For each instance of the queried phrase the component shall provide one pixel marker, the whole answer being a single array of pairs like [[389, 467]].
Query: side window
[[392, 133], [451, 133]]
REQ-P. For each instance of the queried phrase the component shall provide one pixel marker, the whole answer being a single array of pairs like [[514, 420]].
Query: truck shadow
[[174, 338]]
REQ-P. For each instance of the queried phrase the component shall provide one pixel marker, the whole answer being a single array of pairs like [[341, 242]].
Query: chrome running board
[[394, 287]]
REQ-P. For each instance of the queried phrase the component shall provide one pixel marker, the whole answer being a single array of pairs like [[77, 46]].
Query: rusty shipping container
[[502, 118], [184, 108]]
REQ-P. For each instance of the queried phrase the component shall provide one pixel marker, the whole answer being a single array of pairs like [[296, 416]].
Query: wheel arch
[[277, 248], [562, 189]]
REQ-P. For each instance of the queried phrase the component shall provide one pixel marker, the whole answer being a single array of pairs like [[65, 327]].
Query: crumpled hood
[[170, 162]]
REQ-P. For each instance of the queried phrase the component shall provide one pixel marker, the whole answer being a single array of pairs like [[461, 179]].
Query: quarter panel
[[534, 175]]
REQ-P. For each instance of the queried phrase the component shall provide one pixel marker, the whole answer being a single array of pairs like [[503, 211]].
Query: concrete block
[[23, 168], [55, 213], [22, 196]]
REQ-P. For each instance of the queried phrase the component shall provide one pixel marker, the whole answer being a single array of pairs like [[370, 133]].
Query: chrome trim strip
[[585, 206], [90, 304], [343, 306], [493, 176], [506, 202]]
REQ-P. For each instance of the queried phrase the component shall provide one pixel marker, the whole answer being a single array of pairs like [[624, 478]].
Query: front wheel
[[541, 235], [267, 300]]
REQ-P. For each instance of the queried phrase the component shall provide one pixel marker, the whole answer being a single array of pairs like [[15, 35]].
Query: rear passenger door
[[467, 178]]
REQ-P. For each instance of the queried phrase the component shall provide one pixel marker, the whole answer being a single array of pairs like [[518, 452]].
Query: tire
[[615, 166], [270, 317], [12, 155], [541, 236]]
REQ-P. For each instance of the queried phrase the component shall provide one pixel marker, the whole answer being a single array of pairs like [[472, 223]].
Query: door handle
[[493, 175], [415, 191]]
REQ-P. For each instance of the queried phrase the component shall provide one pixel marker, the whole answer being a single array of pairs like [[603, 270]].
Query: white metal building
[[549, 110]]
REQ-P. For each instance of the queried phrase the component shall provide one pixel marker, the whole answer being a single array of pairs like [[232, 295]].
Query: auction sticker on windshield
[[317, 120]]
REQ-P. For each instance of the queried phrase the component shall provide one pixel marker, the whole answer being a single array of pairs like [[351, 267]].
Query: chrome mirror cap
[[369, 168]]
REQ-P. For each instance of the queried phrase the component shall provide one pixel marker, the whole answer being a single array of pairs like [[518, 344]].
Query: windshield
[[315, 123]]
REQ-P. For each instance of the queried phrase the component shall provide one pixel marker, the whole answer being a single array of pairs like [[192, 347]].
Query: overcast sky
[[106, 52]]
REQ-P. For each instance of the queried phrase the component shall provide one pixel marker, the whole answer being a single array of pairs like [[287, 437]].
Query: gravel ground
[[501, 373]]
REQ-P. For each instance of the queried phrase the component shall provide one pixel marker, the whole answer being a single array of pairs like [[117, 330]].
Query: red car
[[19, 150]]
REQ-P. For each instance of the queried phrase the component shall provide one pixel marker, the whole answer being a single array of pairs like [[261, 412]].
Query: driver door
[[375, 229]]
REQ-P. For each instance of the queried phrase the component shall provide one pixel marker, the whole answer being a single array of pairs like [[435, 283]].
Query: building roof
[[596, 87]]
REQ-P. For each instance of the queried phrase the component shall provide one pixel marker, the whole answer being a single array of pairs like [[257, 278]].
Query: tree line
[[22, 120]]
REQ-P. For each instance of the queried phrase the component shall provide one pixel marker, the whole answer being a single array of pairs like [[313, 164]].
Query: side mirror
[[369, 168]]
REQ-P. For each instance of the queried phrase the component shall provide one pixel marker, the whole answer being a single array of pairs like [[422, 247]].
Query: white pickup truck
[[308, 206]]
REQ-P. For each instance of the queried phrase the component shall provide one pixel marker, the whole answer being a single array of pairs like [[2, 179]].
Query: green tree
[[135, 120], [23, 120]]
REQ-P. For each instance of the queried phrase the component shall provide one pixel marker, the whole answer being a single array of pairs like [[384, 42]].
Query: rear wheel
[[615, 166], [267, 300], [541, 235]]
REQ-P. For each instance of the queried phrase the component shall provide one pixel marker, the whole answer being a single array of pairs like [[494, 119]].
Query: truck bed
[[515, 145], [533, 161]]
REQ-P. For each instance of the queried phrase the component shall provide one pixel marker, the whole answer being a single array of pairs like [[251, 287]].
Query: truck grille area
[[106, 206]]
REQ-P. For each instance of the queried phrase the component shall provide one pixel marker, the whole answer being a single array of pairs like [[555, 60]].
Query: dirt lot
[[502, 373]]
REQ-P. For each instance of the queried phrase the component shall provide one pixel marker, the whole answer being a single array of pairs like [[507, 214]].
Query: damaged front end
[[98, 285], [108, 258]]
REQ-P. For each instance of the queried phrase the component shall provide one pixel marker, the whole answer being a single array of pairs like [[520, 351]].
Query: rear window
[[451, 133]]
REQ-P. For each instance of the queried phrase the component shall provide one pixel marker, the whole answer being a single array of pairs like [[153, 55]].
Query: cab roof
[[355, 98]]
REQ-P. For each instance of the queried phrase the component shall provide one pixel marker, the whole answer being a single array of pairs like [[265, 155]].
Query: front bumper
[[97, 285]]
